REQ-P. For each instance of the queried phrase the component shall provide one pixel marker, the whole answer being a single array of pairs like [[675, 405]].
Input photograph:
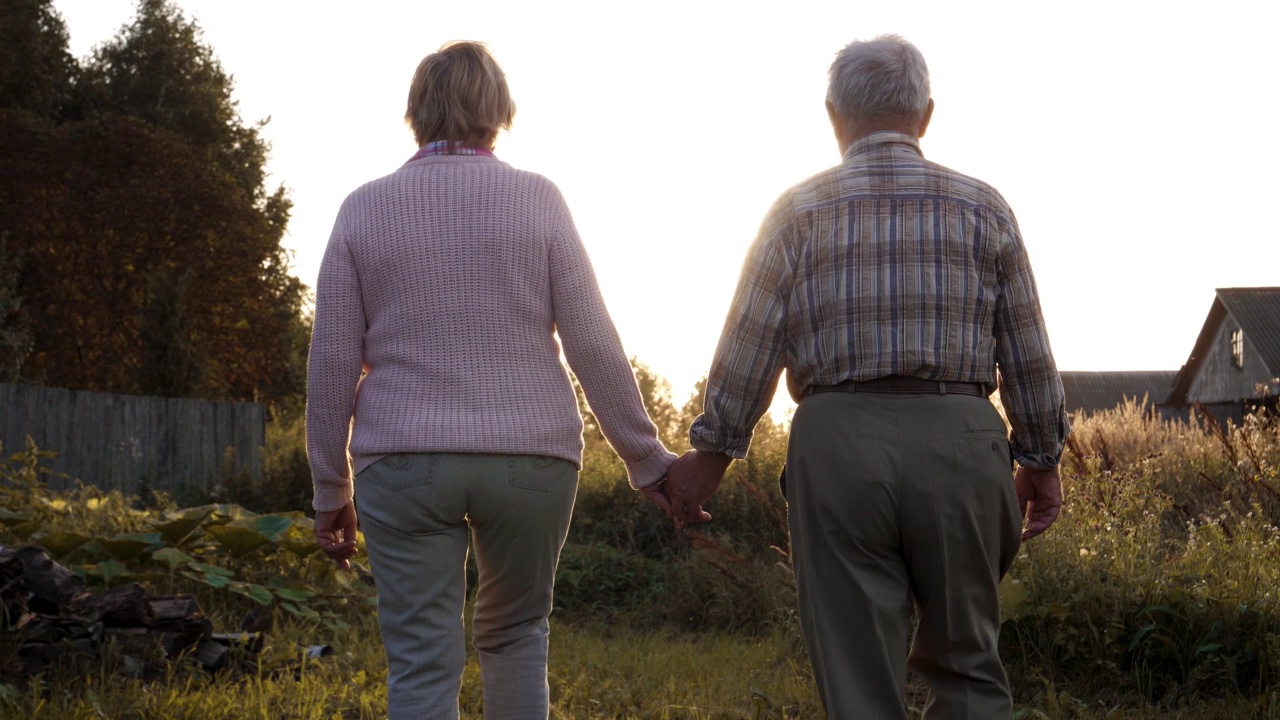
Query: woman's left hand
[[336, 534]]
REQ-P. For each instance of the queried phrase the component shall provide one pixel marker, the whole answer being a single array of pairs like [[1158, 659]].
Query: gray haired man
[[895, 293]]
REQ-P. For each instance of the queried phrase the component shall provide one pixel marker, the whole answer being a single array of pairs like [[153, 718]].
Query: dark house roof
[[1256, 311], [1094, 391]]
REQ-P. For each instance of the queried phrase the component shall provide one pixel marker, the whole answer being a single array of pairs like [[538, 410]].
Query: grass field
[[1155, 596]]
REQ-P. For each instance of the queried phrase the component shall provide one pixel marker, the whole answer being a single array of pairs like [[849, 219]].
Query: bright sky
[[1133, 139]]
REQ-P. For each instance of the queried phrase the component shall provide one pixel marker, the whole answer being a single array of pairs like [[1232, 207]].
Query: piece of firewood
[[211, 655], [174, 607], [46, 579], [125, 606]]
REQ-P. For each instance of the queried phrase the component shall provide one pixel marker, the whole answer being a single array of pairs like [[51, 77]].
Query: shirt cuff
[[1038, 461], [705, 439], [643, 473]]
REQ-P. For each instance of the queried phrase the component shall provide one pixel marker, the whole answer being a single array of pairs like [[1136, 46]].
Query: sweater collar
[[445, 147]]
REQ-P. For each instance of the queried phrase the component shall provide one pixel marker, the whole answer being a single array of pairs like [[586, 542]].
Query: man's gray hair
[[882, 77]]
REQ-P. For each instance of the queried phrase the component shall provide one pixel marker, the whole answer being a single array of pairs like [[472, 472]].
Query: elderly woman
[[435, 363]]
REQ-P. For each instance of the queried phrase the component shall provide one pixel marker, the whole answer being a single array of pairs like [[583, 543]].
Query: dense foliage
[[139, 246]]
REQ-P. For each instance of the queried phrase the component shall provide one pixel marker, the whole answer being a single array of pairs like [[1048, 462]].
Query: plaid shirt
[[886, 265]]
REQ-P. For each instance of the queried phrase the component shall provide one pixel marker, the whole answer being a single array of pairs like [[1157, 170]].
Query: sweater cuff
[[643, 473], [332, 497]]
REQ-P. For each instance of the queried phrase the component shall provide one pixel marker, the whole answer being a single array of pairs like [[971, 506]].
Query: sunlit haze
[[1134, 140]]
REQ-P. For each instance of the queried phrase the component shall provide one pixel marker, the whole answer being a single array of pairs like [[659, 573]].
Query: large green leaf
[[127, 547], [178, 513], [60, 543], [217, 581], [295, 594], [239, 541], [229, 511], [212, 569], [11, 518], [243, 536], [172, 557], [269, 526], [180, 525], [299, 540], [300, 611], [26, 530], [257, 593], [108, 570]]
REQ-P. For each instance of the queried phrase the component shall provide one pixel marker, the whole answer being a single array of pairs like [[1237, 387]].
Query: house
[[1089, 392], [1235, 365]]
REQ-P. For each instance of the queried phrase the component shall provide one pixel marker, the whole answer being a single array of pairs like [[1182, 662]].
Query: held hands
[[1039, 498], [691, 481], [336, 534]]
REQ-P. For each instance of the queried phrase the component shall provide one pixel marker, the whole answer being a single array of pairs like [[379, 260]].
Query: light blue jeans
[[416, 512]]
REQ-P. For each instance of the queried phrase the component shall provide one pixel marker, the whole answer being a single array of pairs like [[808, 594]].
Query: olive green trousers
[[894, 499]]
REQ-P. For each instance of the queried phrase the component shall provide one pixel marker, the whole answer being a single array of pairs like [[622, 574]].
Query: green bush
[[1161, 575], [286, 474]]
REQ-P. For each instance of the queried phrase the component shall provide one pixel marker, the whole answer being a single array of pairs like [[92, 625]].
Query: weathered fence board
[[123, 441]]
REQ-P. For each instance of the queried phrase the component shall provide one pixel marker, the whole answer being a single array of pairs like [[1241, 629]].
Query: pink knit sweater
[[447, 283]]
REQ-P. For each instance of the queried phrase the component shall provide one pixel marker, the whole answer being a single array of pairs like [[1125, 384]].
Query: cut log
[[47, 615], [180, 635], [132, 640], [46, 579], [212, 655], [125, 606], [174, 607]]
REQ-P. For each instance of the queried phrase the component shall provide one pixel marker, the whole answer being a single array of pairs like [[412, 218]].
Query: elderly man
[[891, 289]]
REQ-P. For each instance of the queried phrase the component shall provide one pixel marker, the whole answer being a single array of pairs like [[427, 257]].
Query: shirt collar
[[445, 147], [875, 140]]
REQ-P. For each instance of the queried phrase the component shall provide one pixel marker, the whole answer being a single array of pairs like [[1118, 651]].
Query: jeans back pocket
[[402, 471], [533, 472]]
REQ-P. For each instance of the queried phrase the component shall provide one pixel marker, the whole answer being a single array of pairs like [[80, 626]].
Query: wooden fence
[[125, 441]]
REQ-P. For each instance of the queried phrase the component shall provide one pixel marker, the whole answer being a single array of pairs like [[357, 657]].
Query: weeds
[[1155, 594]]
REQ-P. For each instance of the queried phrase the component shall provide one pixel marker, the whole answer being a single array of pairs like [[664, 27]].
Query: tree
[[15, 323], [37, 71], [152, 263], [655, 391], [102, 231], [169, 364], [159, 70]]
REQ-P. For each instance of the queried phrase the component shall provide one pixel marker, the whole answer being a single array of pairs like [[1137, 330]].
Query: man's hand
[[1039, 498], [691, 481], [336, 534]]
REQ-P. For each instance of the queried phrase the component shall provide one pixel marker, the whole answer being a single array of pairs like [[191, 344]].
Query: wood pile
[[47, 614]]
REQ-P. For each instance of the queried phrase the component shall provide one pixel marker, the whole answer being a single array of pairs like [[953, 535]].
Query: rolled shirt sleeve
[[1030, 386]]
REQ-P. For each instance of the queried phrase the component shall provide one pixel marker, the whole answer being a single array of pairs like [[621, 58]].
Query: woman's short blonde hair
[[459, 94]]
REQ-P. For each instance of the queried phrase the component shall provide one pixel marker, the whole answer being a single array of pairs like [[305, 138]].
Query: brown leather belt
[[901, 385]]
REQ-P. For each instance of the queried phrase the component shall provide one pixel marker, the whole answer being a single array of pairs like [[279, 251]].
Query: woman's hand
[[656, 494], [336, 534]]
